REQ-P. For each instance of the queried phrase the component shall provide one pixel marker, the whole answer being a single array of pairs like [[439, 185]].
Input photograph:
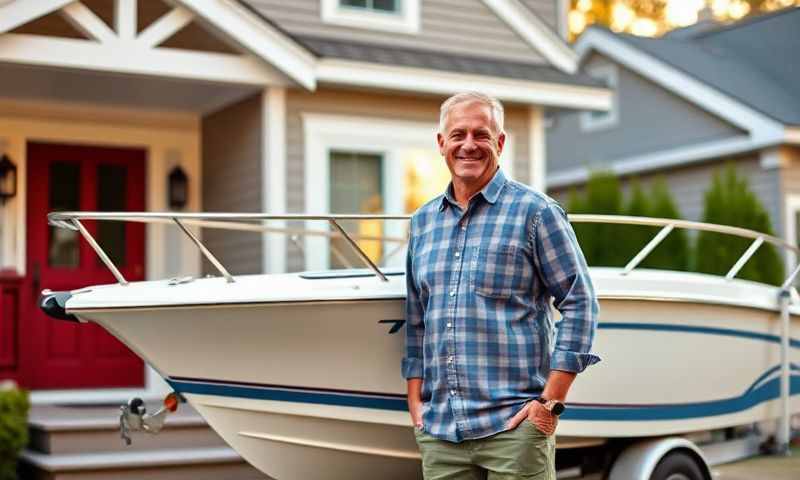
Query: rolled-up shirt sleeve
[[415, 327], [563, 269]]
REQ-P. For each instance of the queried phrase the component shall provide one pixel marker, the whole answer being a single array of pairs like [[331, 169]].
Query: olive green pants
[[522, 453]]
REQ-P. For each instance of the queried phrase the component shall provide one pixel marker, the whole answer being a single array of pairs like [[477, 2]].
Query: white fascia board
[[793, 135], [534, 31], [761, 127], [420, 80], [129, 58], [258, 37], [14, 14], [662, 160]]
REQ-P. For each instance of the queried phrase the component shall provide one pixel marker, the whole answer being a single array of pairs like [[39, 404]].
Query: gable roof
[[754, 61]]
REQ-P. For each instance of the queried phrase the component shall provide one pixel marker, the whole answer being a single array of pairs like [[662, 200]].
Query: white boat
[[300, 373]]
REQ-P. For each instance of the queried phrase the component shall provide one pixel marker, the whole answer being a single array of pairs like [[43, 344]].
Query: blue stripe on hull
[[759, 392]]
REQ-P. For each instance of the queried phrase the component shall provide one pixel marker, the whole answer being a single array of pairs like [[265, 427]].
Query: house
[[250, 106], [685, 104]]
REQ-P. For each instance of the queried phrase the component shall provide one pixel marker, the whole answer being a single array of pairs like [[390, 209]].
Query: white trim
[[14, 14], [774, 158], [761, 127], [588, 121], [534, 31], [407, 20], [324, 132], [563, 7], [273, 175], [85, 21], [125, 13], [411, 79], [164, 27], [257, 36], [793, 135], [662, 159], [130, 58], [536, 149], [791, 205]]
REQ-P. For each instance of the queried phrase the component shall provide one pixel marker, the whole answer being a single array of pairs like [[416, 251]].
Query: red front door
[[66, 177]]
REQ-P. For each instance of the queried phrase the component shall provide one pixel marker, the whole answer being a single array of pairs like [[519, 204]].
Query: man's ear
[[501, 141], [440, 142]]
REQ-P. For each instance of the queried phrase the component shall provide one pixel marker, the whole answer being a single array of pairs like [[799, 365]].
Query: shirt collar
[[490, 191]]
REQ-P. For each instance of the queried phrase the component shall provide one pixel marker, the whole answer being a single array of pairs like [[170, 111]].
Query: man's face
[[470, 142]]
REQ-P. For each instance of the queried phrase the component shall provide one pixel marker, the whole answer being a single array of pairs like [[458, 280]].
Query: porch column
[[273, 175], [536, 149]]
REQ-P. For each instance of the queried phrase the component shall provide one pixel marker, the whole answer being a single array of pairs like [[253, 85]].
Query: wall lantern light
[[178, 188], [8, 179]]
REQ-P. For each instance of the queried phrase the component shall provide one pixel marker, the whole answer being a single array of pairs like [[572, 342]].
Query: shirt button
[[450, 359], [453, 293], [463, 227], [449, 325], [458, 254], [453, 393]]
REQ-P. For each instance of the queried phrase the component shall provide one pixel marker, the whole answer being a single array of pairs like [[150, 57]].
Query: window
[[593, 120], [401, 16], [389, 6], [370, 165]]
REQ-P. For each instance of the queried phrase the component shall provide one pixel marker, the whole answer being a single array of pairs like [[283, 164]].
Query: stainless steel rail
[[241, 221]]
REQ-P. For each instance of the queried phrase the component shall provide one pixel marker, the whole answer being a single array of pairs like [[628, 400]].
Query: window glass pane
[[64, 195], [385, 5], [353, 3], [111, 182], [426, 176], [356, 181]]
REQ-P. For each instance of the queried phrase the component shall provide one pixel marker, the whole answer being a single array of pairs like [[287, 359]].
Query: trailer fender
[[638, 460]]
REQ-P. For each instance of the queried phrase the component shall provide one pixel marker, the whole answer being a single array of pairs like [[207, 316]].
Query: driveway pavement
[[762, 468]]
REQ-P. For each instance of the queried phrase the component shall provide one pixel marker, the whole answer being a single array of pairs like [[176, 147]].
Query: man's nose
[[469, 144]]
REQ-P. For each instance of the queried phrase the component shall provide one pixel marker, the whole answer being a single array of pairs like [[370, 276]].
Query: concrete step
[[78, 429], [83, 442]]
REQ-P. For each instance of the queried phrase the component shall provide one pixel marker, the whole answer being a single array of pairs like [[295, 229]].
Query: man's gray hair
[[494, 105]]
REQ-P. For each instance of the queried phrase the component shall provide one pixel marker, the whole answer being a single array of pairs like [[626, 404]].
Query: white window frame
[[791, 205], [323, 133], [406, 20], [589, 121]]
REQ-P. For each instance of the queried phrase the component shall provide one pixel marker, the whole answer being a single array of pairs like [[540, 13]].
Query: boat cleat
[[133, 417]]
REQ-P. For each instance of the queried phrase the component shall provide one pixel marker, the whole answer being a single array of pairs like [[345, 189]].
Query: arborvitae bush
[[730, 201], [14, 407], [598, 242], [616, 245], [673, 252]]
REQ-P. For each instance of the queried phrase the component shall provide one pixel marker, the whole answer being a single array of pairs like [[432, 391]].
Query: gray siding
[[372, 105], [790, 178], [650, 119], [689, 184], [547, 10], [466, 27], [232, 181]]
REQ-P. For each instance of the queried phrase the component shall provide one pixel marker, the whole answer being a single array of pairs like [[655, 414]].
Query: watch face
[[558, 408]]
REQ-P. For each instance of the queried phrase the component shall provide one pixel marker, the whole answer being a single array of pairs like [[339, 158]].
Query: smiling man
[[487, 375]]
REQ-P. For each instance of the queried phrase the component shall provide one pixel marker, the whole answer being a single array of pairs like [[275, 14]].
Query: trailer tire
[[678, 466]]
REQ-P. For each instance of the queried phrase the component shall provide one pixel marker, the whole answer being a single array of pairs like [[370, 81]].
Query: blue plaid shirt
[[479, 329]]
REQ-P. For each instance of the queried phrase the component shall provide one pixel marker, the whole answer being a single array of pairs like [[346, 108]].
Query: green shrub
[[730, 201], [598, 241], [673, 252], [14, 407]]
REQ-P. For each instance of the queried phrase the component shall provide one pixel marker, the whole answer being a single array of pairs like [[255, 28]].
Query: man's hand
[[535, 413], [414, 397]]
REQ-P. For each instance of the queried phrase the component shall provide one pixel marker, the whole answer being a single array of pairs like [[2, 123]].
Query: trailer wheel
[[677, 466]]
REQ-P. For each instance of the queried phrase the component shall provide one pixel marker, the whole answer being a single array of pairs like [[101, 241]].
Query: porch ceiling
[[19, 82]]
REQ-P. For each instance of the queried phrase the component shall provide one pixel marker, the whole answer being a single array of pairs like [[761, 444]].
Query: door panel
[[67, 177]]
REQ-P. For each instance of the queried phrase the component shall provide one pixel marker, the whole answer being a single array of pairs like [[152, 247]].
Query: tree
[[673, 252], [729, 201], [599, 241]]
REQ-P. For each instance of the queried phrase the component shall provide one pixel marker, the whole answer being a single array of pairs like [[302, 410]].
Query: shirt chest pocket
[[501, 271]]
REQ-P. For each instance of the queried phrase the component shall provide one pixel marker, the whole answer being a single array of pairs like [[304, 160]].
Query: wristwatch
[[555, 407]]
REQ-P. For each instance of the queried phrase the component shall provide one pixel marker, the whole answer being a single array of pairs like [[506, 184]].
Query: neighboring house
[[686, 103], [264, 105]]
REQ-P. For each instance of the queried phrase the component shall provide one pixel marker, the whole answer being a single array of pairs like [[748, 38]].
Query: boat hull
[[304, 389]]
